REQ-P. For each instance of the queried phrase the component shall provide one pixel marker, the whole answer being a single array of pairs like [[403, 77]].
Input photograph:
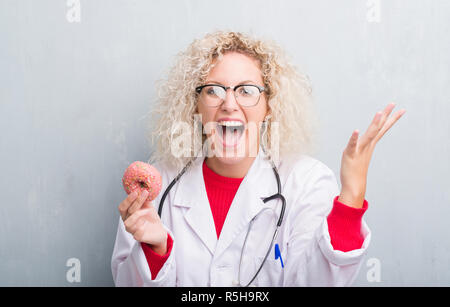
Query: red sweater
[[344, 222]]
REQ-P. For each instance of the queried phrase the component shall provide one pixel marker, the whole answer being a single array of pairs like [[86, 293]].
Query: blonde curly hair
[[288, 96]]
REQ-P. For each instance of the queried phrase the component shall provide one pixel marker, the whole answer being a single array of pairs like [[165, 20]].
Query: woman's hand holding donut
[[142, 221], [357, 155]]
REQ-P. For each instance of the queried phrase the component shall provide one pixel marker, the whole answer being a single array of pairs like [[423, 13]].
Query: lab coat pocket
[[271, 274]]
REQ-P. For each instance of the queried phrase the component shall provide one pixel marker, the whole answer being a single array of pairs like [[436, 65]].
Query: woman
[[252, 173]]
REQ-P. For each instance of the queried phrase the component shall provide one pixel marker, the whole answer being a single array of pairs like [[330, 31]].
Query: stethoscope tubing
[[269, 198], [163, 197]]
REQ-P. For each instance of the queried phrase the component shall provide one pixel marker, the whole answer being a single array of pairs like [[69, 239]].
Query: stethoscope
[[276, 196]]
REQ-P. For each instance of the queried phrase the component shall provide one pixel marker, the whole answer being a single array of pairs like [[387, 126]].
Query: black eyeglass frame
[[261, 89]]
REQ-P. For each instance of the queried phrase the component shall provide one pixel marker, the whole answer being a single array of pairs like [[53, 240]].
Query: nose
[[230, 103]]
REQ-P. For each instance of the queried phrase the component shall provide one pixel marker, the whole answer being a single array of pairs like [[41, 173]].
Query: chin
[[230, 160]]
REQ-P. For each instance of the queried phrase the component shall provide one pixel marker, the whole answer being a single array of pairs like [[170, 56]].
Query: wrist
[[161, 248], [355, 200]]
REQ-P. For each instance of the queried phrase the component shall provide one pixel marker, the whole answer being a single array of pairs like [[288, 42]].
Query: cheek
[[258, 114], [265, 106], [206, 115], [207, 119]]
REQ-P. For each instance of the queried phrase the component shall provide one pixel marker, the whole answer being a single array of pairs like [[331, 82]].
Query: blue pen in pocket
[[278, 255]]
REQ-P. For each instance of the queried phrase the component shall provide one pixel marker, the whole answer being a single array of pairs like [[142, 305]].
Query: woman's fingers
[[145, 223], [371, 132], [137, 203], [392, 120], [126, 203], [132, 203], [386, 113], [379, 125], [351, 146], [131, 224], [147, 204]]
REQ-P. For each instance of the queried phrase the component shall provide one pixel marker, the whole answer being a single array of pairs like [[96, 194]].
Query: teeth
[[231, 123]]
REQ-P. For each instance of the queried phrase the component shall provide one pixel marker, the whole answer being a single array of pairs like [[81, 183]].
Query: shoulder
[[310, 186], [308, 180], [303, 166]]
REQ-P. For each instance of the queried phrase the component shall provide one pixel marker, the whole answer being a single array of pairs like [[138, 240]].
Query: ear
[[268, 116]]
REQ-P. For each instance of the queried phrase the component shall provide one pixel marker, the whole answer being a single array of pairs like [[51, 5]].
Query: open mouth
[[230, 132]]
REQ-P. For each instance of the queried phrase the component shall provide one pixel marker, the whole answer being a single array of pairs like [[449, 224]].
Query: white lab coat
[[198, 258]]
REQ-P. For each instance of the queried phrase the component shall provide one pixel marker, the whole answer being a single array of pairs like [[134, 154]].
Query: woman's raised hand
[[142, 221], [356, 157]]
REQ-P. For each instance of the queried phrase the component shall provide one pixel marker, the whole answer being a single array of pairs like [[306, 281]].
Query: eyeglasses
[[213, 95]]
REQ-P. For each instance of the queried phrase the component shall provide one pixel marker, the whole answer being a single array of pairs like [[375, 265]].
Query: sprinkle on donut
[[142, 176]]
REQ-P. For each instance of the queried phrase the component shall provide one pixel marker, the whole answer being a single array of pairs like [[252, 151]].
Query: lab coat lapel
[[259, 183], [191, 194]]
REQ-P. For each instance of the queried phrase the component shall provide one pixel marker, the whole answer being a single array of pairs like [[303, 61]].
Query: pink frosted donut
[[141, 176]]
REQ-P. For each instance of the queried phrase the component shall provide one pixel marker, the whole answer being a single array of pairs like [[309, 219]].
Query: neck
[[237, 170]]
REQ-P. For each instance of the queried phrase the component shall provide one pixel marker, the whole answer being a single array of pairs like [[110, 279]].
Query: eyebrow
[[240, 83]]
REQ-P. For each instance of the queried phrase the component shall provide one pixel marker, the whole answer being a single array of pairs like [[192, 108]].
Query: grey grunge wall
[[77, 80]]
